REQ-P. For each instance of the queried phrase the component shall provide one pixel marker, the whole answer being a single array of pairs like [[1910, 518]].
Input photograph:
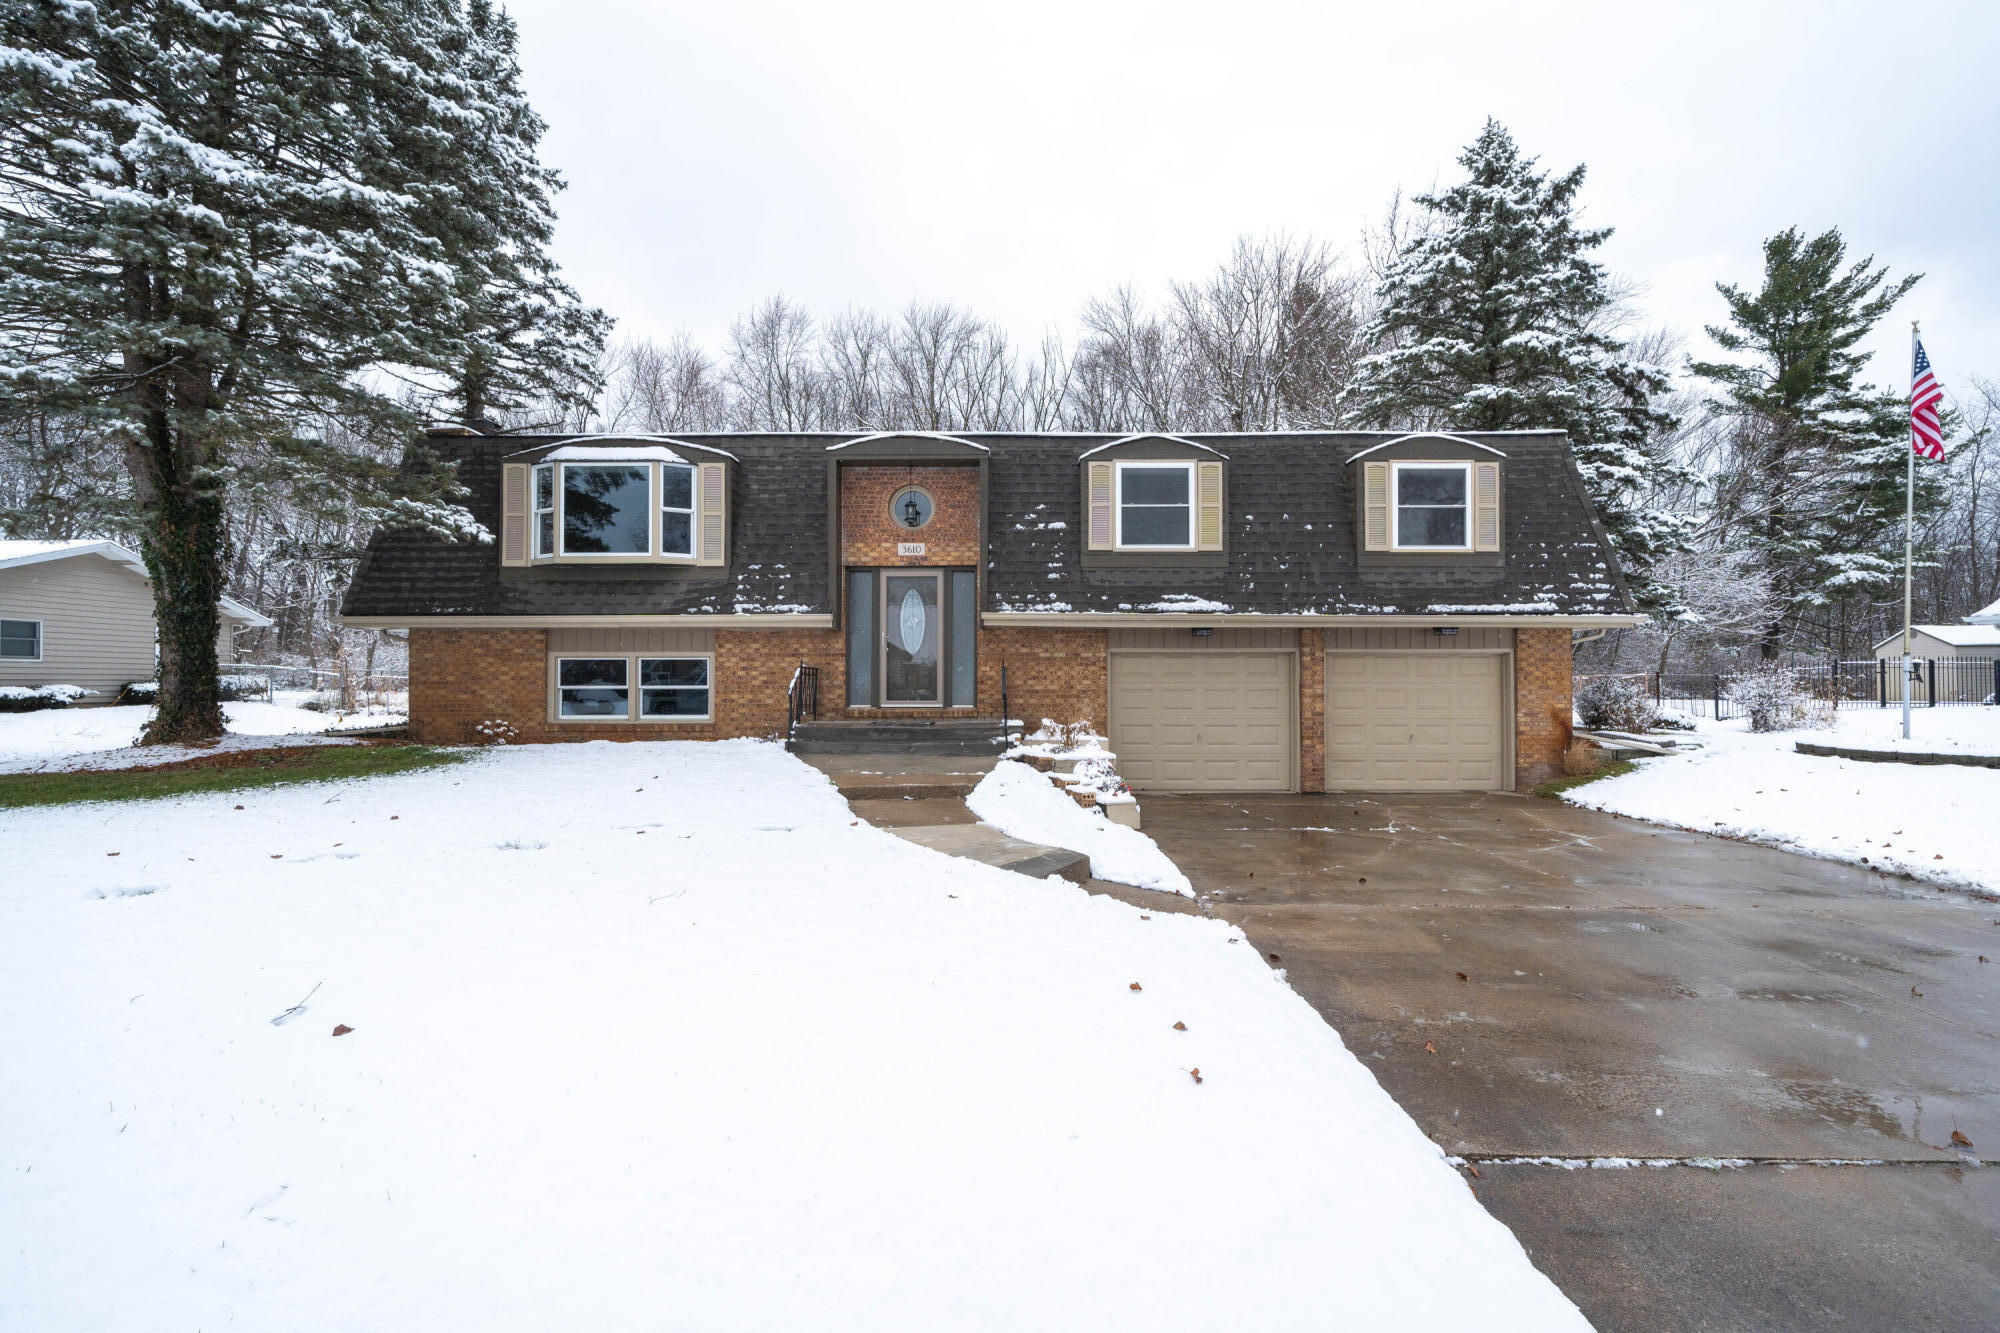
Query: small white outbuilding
[[81, 613], [1955, 641]]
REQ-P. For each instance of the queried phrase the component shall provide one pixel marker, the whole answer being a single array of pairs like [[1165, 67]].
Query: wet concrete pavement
[[1632, 991]]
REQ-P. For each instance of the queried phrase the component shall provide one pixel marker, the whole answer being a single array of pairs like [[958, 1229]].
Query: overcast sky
[[1015, 159]]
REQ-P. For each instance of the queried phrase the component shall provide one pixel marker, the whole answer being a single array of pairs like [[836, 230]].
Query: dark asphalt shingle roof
[[1291, 545]]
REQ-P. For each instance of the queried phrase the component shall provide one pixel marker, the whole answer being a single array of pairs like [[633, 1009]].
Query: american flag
[[1925, 395]]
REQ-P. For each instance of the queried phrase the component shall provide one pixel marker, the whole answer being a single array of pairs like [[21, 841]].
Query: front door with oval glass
[[911, 637]]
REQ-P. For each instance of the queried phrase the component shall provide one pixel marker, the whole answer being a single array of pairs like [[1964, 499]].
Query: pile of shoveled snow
[[1937, 823], [71, 738], [1022, 803], [658, 1034]]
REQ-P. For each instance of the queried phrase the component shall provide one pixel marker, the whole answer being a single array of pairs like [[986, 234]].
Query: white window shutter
[[1374, 506], [1486, 506], [713, 502], [514, 514], [1208, 506], [1100, 500]]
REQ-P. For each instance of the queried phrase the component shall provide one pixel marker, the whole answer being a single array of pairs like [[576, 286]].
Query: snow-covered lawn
[[1940, 823], [1022, 803], [1966, 729], [658, 1035], [65, 738]]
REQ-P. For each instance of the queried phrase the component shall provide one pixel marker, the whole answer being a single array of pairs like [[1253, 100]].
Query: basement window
[[634, 689]]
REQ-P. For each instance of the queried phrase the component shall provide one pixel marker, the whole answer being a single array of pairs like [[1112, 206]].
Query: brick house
[[1282, 612]]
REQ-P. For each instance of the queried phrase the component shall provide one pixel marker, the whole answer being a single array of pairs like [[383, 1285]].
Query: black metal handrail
[[1006, 716], [801, 698]]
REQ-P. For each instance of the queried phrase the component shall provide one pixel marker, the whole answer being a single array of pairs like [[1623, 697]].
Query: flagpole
[[1909, 532]]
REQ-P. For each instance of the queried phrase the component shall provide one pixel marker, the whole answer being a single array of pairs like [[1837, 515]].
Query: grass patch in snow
[[234, 771], [1555, 787]]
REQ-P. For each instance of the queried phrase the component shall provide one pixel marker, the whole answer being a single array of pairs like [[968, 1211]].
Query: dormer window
[[617, 503], [1432, 506], [676, 509], [1155, 506]]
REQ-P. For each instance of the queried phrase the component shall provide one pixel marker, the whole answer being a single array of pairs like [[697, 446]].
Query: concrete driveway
[[1636, 992]]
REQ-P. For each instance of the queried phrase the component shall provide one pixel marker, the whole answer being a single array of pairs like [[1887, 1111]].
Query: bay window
[[676, 509]]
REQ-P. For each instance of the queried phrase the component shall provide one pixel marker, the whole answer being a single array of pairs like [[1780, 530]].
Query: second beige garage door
[[1432, 721], [1204, 721]]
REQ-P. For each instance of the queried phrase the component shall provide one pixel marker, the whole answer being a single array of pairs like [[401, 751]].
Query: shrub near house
[[1275, 612]]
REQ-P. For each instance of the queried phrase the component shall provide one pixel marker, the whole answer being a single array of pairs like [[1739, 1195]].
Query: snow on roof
[[1151, 435], [909, 434], [1988, 616], [1442, 435], [16, 553], [1958, 636], [626, 447]]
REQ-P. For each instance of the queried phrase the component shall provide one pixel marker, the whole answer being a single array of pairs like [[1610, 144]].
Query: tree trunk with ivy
[[186, 551]]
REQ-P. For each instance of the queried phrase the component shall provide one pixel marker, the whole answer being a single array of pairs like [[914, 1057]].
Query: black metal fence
[[1935, 682]]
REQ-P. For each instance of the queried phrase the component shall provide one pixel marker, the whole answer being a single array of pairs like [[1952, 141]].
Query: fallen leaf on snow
[[1958, 1137], [341, 1029], [1137, 986], [1195, 1074], [1180, 1027]]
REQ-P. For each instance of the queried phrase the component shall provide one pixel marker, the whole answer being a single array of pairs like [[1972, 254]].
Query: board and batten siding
[[1225, 639], [1418, 639], [97, 624], [582, 640]]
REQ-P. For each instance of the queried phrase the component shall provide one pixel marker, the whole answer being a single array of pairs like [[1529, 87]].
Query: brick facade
[[869, 533], [1063, 674], [1312, 710], [1541, 705]]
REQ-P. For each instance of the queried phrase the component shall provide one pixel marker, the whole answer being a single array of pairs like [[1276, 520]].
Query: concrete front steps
[[968, 736]]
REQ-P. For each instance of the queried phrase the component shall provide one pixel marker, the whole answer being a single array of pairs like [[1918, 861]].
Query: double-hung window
[[21, 640], [544, 506], [633, 689], [1432, 506], [1155, 506], [676, 509], [674, 688], [593, 688]]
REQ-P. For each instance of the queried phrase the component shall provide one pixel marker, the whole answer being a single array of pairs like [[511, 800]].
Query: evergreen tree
[[220, 217], [1811, 485], [1492, 317]]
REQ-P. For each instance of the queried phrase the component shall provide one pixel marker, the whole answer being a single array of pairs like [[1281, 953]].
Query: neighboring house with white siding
[[81, 613]]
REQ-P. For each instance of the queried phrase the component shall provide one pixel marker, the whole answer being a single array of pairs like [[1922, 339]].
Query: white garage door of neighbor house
[[1204, 721], [1432, 721]]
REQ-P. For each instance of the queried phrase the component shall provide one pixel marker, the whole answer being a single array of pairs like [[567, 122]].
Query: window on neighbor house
[[1432, 506], [21, 639], [676, 509], [1155, 505], [544, 515], [607, 509]]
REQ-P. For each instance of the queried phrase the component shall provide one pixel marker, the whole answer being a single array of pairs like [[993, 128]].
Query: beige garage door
[[1204, 721], [1430, 721]]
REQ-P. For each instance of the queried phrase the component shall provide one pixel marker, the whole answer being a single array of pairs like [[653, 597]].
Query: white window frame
[[556, 687], [1396, 468], [652, 471], [535, 512], [663, 508], [639, 688], [633, 689], [1118, 467], [41, 638]]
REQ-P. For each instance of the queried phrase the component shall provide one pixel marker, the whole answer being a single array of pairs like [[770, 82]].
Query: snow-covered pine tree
[[220, 217], [1493, 317], [532, 343], [1810, 484]]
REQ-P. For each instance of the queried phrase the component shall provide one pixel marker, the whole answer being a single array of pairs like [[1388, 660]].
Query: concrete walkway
[[1533, 980], [921, 798]]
